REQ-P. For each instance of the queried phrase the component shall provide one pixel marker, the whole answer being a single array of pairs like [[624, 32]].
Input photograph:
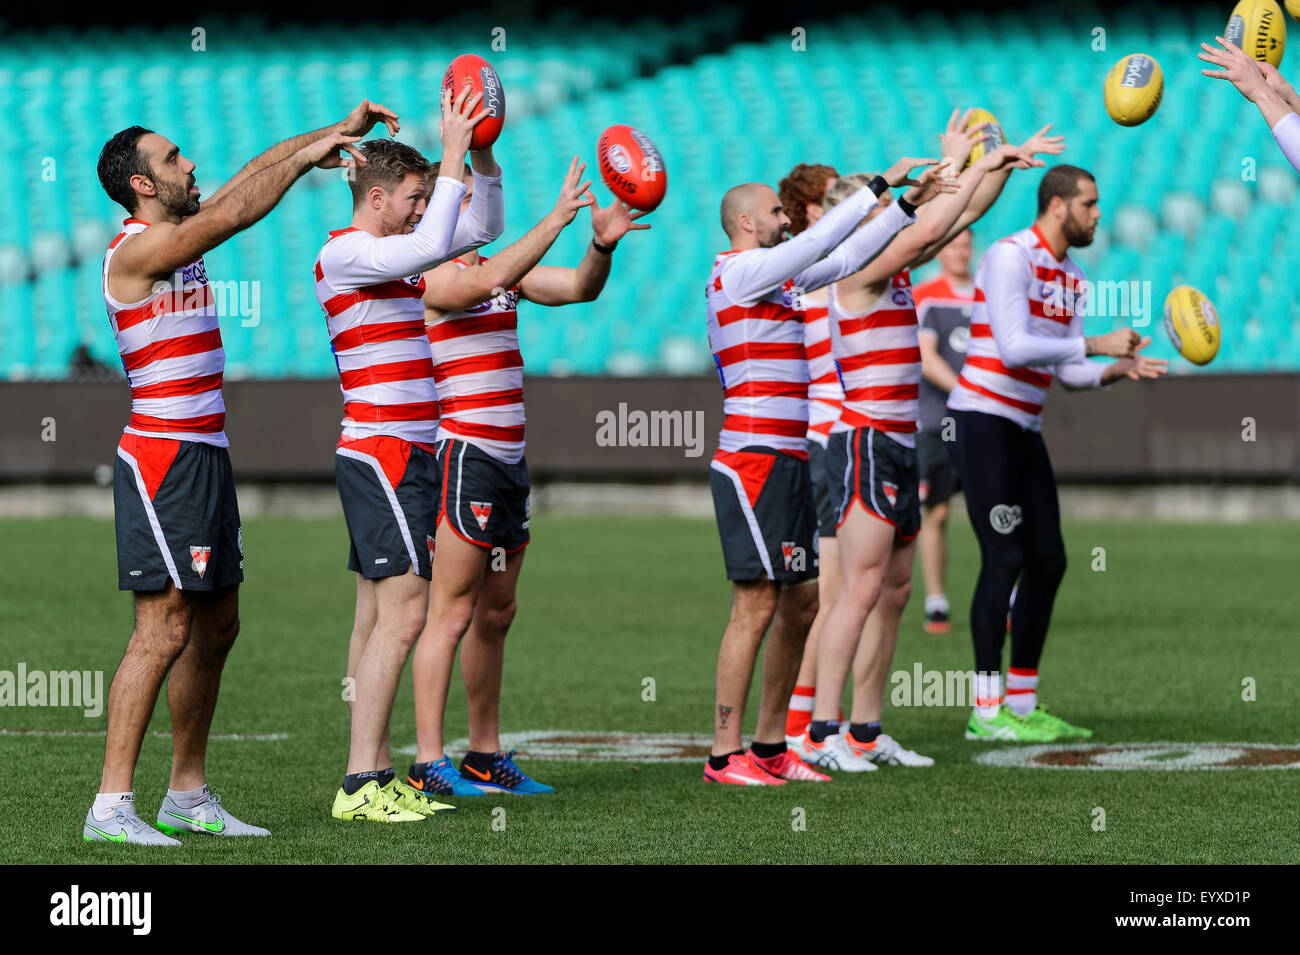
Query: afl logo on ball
[[1005, 517], [618, 158]]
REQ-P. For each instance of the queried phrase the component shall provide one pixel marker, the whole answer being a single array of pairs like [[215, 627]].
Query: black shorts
[[879, 472], [389, 489], [484, 499], [826, 490], [939, 478], [176, 515], [763, 501]]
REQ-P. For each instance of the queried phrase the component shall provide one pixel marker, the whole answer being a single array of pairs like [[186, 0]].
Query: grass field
[[1155, 648]]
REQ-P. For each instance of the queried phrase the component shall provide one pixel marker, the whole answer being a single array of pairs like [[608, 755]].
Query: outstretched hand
[[1040, 142], [573, 195], [365, 117], [1237, 68], [956, 141], [1139, 366], [324, 152]]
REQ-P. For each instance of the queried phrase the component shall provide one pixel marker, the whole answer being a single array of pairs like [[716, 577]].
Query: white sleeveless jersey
[[170, 345], [878, 354], [759, 353], [480, 375], [1056, 297], [385, 368]]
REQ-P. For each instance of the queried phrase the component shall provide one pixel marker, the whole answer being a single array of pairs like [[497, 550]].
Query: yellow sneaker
[[405, 796], [372, 803]]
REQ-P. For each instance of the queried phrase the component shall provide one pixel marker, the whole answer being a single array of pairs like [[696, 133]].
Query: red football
[[475, 72], [632, 167]]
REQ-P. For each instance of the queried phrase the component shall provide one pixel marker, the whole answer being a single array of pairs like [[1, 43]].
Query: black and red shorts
[[484, 499], [763, 501], [389, 489], [176, 515], [881, 473]]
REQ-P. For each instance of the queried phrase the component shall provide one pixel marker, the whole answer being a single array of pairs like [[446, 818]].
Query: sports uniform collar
[[338, 232], [1042, 240], [132, 220]]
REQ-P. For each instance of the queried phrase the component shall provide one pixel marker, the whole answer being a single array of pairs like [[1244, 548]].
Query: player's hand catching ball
[[1137, 367], [365, 117], [456, 128], [957, 141], [1238, 68], [611, 223], [574, 195]]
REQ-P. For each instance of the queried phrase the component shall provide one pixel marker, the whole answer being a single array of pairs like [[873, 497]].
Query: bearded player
[[874, 340], [1026, 329], [470, 310], [369, 282], [759, 476], [179, 543]]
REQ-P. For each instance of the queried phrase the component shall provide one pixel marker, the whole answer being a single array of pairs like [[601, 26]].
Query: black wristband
[[908, 209], [603, 249], [878, 186]]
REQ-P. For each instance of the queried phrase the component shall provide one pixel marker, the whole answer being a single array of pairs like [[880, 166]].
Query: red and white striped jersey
[[480, 375], [377, 336], [759, 352], [878, 356], [170, 345], [825, 396], [1027, 313]]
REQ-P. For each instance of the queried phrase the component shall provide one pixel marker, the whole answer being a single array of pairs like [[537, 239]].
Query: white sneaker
[[887, 752], [124, 826], [831, 753], [208, 817]]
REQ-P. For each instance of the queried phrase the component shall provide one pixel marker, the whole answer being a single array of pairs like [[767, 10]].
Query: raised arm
[[1261, 84], [450, 288], [161, 249], [357, 123], [485, 219], [549, 285]]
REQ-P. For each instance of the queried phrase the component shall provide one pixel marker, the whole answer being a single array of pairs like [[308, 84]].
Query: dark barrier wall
[[1207, 427]]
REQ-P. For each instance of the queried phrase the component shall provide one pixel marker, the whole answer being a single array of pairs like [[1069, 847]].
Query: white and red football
[[473, 71], [632, 167]]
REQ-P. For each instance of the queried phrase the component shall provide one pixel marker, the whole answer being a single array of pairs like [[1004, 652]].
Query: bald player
[[759, 476]]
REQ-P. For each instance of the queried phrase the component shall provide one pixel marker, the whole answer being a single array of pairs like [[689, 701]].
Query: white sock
[[188, 798], [105, 803], [1022, 690], [936, 602], [988, 694]]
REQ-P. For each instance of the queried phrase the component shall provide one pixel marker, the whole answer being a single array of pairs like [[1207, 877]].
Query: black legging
[[1011, 498]]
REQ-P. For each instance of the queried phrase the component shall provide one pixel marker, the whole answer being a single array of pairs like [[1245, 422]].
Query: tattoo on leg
[[723, 713]]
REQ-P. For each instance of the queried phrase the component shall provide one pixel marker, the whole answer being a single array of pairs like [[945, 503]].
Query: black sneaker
[[936, 621]]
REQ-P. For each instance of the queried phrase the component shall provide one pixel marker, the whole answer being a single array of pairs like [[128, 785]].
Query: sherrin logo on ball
[[632, 167], [1258, 27], [1192, 324], [473, 71], [984, 120], [1133, 89]]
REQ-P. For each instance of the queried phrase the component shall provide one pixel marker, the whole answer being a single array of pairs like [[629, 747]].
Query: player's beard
[[176, 198], [1078, 236]]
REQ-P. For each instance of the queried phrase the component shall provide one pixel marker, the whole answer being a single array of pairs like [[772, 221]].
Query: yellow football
[[1133, 89], [1258, 27], [991, 126], [1293, 8], [1192, 324]]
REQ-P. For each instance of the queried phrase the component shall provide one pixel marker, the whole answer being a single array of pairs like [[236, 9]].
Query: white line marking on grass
[[1148, 756], [597, 745]]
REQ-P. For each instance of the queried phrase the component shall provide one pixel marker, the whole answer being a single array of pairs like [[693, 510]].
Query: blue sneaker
[[505, 776], [442, 779]]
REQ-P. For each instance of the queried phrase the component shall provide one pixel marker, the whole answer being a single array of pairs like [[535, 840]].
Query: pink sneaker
[[789, 766], [741, 770]]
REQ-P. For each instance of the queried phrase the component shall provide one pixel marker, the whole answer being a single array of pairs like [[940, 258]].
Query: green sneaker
[[1006, 727], [405, 796], [1048, 721]]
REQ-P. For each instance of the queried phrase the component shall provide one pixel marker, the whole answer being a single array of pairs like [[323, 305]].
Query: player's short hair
[[435, 170], [1061, 181], [388, 162], [119, 160], [805, 184], [846, 186]]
